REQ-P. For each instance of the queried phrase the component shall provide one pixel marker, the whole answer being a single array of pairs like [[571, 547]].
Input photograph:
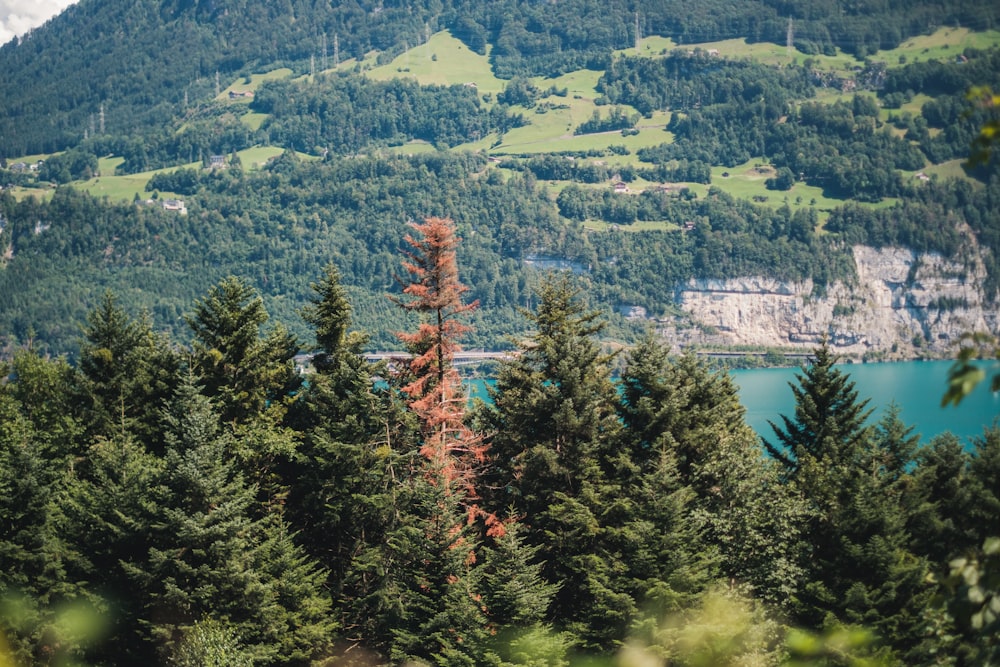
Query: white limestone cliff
[[903, 305]]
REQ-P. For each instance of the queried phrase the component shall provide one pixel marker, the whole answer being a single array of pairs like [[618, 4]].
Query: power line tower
[[312, 67], [326, 65], [336, 50], [218, 86], [102, 118], [638, 35], [790, 37]]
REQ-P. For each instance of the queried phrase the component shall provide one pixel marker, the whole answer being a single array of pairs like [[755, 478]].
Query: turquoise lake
[[915, 386]]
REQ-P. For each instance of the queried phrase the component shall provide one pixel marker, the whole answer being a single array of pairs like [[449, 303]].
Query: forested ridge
[[204, 503], [271, 224], [145, 63]]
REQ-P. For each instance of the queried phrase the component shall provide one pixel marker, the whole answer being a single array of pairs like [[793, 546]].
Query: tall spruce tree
[[855, 546], [129, 372], [111, 505], [250, 375], [680, 410], [553, 430], [240, 366], [939, 521], [828, 426], [356, 441], [34, 553], [410, 588], [984, 471], [437, 615], [209, 557]]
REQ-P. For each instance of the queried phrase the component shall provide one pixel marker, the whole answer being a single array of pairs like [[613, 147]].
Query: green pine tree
[[245, 370], [211, 558], [682, 418], [111, 505], [552, 430], [129, 372], [35, 556], [940, 519], [855, 545], [514, 592], [356, 438], [251, 375]]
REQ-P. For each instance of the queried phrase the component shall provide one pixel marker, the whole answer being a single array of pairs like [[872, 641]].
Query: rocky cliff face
[[903, 305]]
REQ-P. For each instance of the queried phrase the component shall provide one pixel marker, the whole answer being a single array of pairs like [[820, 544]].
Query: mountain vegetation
[[186, 502], [49, 106], [200, 465], [341, 191]]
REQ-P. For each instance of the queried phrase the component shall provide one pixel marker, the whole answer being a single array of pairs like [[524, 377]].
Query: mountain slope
[[146, 61]]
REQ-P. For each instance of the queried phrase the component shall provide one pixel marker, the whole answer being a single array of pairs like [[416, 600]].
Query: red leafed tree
[[435, 390]]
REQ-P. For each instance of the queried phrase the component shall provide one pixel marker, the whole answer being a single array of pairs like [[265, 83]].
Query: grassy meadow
[[445, 60], [126, 188]]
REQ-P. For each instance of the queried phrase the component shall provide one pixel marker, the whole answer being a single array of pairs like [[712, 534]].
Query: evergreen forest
[[207, 503], [202, 462], [345, 174]]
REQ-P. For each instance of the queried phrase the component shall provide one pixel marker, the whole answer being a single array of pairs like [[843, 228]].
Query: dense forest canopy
[[282, 220], [341, 192], [185, 503], [200, 465], [105, 55]]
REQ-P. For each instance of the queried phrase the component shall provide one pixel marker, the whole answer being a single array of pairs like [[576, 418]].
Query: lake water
[[915, 386]]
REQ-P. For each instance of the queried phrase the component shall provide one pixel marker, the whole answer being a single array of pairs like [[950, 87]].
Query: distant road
[[463, 357]]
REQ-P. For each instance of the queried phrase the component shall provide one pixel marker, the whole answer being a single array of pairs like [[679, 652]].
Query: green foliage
[[724, 629], [244, 371], [128, 370], [392, 112], [618, 119], [972, 596], [845, 645], [828, 427], [858, 566], [74, 165], [209, 643], [314, 526], [964, 375]]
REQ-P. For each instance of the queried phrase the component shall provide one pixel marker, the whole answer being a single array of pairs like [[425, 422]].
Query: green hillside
[[214, 212], [771, 155]]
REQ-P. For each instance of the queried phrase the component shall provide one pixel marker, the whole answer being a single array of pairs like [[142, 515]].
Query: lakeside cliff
[[901, 305]]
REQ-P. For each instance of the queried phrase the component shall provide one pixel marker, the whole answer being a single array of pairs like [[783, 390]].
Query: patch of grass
[[30, 159], [106, 165], [747, 181], [253, 120], [252, 83], [118, 188], [949, 169], [444, 60], [942, 44], [774, 54], [642, 226], [416, 147], [650, 47], [257, 157], [125, 188], [41, 193], [554, 118]]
